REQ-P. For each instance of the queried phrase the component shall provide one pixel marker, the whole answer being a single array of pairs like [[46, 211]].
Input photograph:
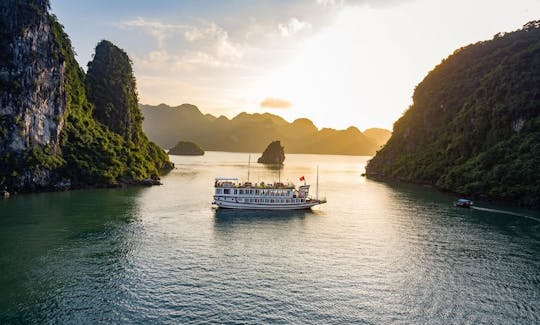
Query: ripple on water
[[375, 253]]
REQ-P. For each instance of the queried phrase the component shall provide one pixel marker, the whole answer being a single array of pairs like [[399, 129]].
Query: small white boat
[[231, 194], [463, 203]]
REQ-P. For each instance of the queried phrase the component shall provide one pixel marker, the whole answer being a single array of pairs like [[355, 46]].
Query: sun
[[348, 74]]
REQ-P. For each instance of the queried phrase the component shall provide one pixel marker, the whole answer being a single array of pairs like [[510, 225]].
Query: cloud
[[369, 3], [212, 34], [292, 27], [156, 28], [205, 45], [275, 103], [209, 30]]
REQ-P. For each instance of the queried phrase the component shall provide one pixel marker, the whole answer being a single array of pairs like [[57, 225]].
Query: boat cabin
[[252, 192]]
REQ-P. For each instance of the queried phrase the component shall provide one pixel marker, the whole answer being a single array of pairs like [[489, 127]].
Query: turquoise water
[[375, 253]]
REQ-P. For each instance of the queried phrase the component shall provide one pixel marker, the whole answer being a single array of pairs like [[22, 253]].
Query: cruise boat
[[232, 194]]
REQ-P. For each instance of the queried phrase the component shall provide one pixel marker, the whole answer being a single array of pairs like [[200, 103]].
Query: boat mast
[[249, 165], [317, 193]]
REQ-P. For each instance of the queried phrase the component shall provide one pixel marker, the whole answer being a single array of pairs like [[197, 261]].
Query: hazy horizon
[[338, 63], [265, 112]]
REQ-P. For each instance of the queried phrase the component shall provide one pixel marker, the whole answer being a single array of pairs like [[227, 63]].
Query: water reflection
[[230, 217], [71, 247], [274, 167], [375, 253]]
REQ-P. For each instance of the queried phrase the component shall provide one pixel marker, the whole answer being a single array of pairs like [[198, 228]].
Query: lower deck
[[306, 204]]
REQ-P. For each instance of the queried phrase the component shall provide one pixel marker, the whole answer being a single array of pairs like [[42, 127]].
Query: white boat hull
[[267, 206]]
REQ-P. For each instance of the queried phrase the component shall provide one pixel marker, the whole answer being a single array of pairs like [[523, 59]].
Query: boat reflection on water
[[227, 216]]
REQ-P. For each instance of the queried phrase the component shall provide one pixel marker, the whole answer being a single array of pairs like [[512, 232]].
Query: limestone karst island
[[60, 127]]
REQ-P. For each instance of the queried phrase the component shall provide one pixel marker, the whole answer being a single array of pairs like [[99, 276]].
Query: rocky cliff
[[33, 96], [273, 154], [111, 87], [474, 126], [48, 136]]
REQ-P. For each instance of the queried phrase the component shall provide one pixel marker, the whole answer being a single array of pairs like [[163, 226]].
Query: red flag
[[302, 178]]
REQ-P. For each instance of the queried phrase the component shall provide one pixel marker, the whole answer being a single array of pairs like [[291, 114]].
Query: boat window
[[241, 191], [226, 191]]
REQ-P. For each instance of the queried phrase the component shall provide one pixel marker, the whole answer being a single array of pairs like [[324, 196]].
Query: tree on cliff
[[474, 127], [273, 154], [49, 137]]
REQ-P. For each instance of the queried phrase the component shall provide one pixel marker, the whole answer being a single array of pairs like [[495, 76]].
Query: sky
[[339, 63]]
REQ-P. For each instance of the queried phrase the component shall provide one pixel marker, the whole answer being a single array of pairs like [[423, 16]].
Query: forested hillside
[[251, 132], [474, 126], [52, 135]]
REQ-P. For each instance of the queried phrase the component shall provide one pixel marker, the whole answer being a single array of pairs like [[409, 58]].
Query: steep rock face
[[474, 127], [273, 154], [32, 87], [31, 78], [48, 137], [110, 86]]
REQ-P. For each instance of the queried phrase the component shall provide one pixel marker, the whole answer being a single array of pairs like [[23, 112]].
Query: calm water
[[374, 253]]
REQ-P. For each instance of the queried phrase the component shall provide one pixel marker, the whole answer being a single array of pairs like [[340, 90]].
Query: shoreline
[[480, 197]]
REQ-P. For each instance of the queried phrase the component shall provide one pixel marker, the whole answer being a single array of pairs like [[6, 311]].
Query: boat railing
[[256, 185]]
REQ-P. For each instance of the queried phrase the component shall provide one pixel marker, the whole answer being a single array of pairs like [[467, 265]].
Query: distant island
[[474, 127], [186, 148], [273, 154], [251, 132], [62, 128]]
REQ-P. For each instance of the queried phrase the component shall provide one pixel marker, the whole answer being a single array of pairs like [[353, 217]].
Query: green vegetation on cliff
[[110, 86], [474, 127], [186, 148], [273, 154], [97, 153], [50, 135]]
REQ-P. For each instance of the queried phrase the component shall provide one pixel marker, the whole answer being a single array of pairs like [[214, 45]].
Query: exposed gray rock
[[32, 85], [33, 96]]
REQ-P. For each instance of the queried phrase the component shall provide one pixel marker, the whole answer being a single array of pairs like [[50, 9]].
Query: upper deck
[[223, 182]]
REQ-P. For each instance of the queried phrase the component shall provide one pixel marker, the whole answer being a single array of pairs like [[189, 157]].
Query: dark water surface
[[375, 253]]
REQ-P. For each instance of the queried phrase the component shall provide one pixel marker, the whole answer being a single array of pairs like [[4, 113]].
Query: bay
[[375, 253]]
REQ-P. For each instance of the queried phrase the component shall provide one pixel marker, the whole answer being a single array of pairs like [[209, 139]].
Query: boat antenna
[[249, 165], [317, 189]]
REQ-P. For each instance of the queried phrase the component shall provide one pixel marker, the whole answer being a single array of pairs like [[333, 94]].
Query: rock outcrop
[[186, 148], [49, 139], [111, 87], [33, 95], [474, 126], [273, 154]]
